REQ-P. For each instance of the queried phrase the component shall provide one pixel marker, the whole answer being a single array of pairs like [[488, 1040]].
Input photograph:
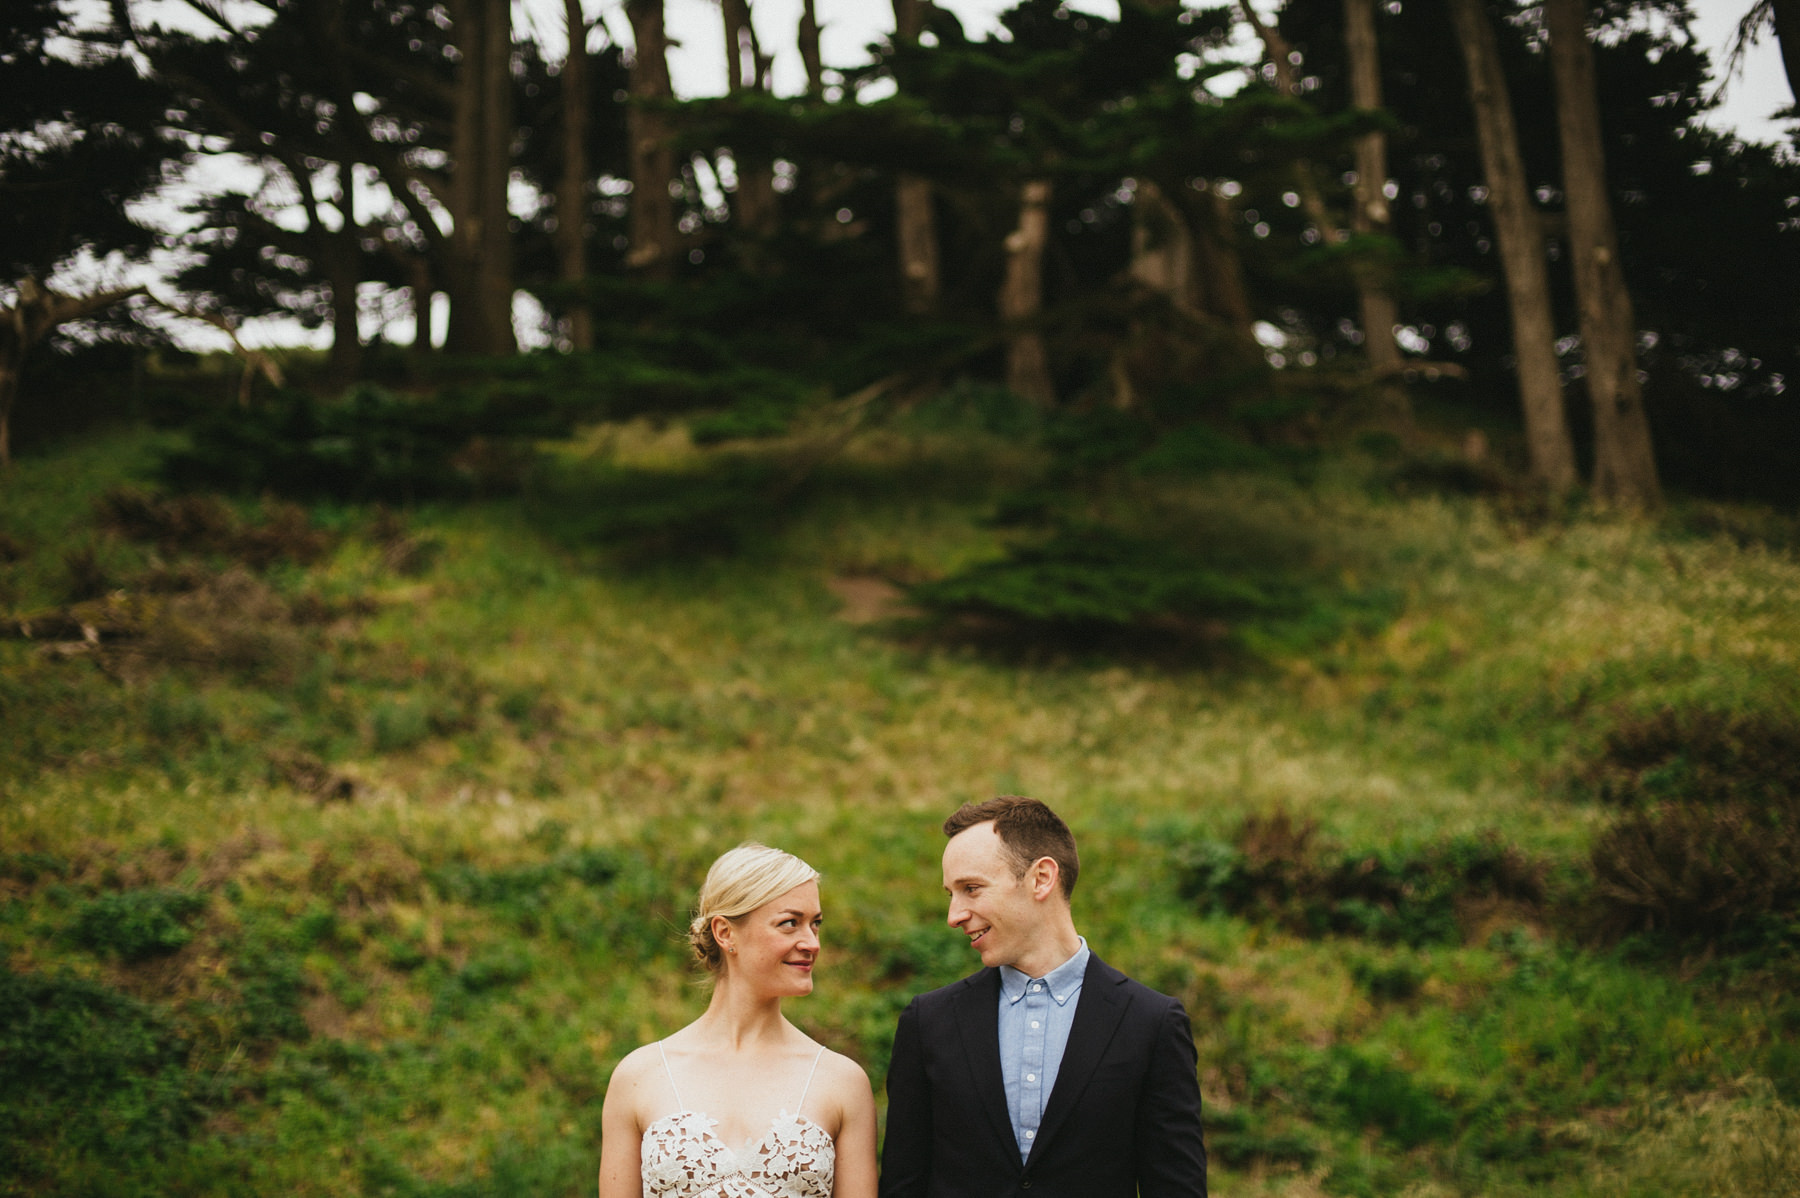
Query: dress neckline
[[754, 1146], [708, 1122]]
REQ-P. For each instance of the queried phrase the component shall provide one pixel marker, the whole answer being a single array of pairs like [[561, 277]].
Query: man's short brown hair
[[1028, 831]]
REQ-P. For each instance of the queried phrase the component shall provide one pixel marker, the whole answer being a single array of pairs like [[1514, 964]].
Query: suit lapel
[[1097, 1013], [978, 1020]]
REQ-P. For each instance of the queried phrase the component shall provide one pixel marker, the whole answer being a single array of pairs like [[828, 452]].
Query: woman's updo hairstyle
[[738, 883]]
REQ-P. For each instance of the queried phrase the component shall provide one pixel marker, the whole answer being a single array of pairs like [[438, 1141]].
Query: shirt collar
[[1063, 982]]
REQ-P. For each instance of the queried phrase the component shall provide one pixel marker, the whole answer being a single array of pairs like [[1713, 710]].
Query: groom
[[1049, 1071]]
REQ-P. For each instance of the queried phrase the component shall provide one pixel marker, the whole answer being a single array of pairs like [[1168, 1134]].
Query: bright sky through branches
[[848, 28]]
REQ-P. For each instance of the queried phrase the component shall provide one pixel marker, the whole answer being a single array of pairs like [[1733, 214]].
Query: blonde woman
[[741, 1103]]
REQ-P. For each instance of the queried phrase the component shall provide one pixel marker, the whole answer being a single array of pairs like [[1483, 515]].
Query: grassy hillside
[[345, 850]]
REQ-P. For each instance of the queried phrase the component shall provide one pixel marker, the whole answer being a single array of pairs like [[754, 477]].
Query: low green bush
[[1357, 1091], [373, 445], [1721, 875], [92, 1082], [135, 925], [1239, 1139], [1278, 871], [1698, 755]]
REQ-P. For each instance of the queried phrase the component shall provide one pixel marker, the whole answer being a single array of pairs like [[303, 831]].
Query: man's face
[[988, 904]]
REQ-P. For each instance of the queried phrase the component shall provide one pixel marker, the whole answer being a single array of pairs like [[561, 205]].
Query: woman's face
[[777, 944]]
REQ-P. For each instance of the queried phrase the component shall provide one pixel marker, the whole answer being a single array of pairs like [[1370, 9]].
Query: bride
[[741, 1103]]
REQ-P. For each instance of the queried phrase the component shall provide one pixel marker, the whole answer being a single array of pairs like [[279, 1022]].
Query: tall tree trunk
[[916, 221], [342, 267], [1162, 247], [745, 67], [345, 362], [737, 37], [478, 268], [1379, 312], [1521, 244], [1787, 33], [809, 48], [915, 213], [1275, 51], [572, 191], [497, 127], [419, 283], [653, 233], [1624, 464], [1022, 297], [1220, 273]]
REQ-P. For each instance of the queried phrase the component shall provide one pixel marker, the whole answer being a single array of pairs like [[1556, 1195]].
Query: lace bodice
[[683, 1158]]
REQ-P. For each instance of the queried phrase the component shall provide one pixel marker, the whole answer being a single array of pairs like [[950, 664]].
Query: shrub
[[1236, 1138], [1094, 577], [1364, 1092], [1094, 587], [1699, 755], [523, 892], [1709, 873], [1277, 870], [375, 445], [136, 925], [203, 524], [271, 987], [86, 1072]]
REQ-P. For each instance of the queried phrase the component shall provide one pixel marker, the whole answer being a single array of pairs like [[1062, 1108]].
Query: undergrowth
[[354, 864]]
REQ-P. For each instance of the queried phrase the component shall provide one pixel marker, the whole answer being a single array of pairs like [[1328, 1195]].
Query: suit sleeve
[[906, 1149], [1171, 1152]]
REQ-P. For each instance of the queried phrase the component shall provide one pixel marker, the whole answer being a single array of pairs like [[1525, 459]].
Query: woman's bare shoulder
[[637, 1065], [843, 1075]]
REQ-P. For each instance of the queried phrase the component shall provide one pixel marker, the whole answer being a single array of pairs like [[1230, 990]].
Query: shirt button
[[1031, 1135], [1030, 1077], [1036, 986], [1035, 1023]]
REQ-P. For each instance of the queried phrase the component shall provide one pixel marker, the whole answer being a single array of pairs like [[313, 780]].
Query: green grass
[[552, 729]]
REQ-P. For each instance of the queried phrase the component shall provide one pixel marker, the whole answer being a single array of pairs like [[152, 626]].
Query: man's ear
[[1045, 875]]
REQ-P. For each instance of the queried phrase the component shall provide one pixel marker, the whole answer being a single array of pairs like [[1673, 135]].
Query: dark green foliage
[[1699, 755], [1239, 1139], [1708, 851], [1096, 588], [918, 955], [265, 965], [1276, 871], [1199, 449], [135, 925], [91, 1081], [203, 524], [1365, 1092], [29, 867], [374, 445], [1725, 875], [1390, 981], [651, 516], [85, 575], [1441, 474], [742, 422], [1094, 577], [559, 1168], [525, 893]]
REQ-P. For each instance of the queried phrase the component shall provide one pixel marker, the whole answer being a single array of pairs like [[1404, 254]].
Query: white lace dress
[[683, 1158]]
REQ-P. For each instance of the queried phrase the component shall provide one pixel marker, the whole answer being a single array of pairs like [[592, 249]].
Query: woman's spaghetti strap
[[680, 1105], [809, 1079]]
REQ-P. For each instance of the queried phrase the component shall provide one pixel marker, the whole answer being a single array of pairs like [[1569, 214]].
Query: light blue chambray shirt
[[1035, 1017]]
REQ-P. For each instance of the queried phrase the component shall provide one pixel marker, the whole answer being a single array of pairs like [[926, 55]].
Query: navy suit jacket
[[1122, 1120]]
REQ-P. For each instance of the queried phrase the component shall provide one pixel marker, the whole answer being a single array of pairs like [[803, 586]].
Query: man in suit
[[1049, 1073]]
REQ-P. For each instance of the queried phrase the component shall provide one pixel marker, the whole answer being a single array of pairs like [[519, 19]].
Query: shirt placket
[[1031, 1080]]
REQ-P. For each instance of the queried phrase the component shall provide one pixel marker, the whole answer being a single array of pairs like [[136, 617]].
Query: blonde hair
[[738, 883]]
